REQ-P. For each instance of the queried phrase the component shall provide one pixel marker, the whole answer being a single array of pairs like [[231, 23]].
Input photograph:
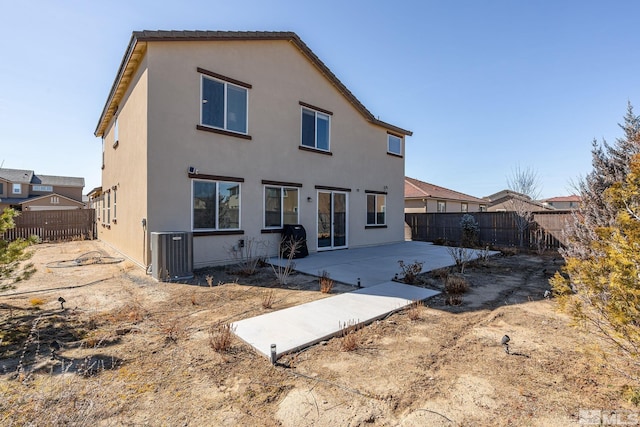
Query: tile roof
[[136, 49], [22, 176], [414, 188], [572, 198], [25, 176], [61, 181], [506, 195]]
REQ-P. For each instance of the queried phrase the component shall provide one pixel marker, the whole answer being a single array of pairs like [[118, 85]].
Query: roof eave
[[126, 61], [141, 37]]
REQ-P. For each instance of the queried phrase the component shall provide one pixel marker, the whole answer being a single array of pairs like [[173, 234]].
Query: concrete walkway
[[301, 326], [298, 327]]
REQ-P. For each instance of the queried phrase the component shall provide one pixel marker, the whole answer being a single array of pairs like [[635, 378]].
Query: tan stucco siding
[[125, 172], [52, 202], [280, 77], [4, 190], [431, 206], [8, 190], [510, 206], [414, 206], [74, 193]]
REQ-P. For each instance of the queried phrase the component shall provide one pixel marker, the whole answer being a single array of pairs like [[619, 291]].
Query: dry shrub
[[411, 271], [456, 285], [173, 330], [267, 298], [36, 302], [414, 310], [350, 340], [326, 283], [441, 273], [454, 300], [632, 395], [130, 312], [220, 336], [509, 251], [248, 255], [461, 256]]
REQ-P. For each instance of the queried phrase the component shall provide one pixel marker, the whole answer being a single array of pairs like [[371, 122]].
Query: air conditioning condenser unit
[[171, 255]]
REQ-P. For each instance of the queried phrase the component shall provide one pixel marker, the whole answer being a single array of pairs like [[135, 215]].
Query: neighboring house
[[231, 136], [23, 190], [503, 201], [563, 203], [420, 196]]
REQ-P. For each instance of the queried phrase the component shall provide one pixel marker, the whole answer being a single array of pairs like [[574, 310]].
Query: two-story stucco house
[[24, 190], [232, 135]]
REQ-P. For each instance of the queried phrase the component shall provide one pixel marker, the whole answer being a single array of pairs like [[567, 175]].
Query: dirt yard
[[136, 352]]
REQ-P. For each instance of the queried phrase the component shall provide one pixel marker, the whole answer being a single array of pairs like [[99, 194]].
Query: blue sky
[[486, 86]]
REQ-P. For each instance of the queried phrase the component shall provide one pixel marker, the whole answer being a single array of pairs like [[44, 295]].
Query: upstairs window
[[394, 144], [376, 207], [224, 105], [48, 188], [315, 129], [116, 132], [17, 189]]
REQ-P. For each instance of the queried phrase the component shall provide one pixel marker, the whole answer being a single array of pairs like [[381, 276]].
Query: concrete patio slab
[[301, 326], [375, 264], [372, 267]]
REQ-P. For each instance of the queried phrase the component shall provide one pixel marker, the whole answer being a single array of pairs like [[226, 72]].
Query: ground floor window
[[216, 205], [280, 206], [376, 209]]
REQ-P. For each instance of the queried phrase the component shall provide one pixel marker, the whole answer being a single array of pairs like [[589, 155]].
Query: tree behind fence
[[496, 228], [51, 226]]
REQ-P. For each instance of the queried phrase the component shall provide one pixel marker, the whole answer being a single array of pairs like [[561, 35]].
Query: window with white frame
[[115, 192], [483, 208], [394, 144], [376, 209], [464, 207], [42, 188], [442, 206], [316, 127], [17, 189], [104, 207], [1, 188], [224, 105], [215, 205], [280, 206]]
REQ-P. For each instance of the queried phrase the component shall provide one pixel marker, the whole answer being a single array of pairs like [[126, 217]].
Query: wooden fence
[[496, 228], [52, 226]]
